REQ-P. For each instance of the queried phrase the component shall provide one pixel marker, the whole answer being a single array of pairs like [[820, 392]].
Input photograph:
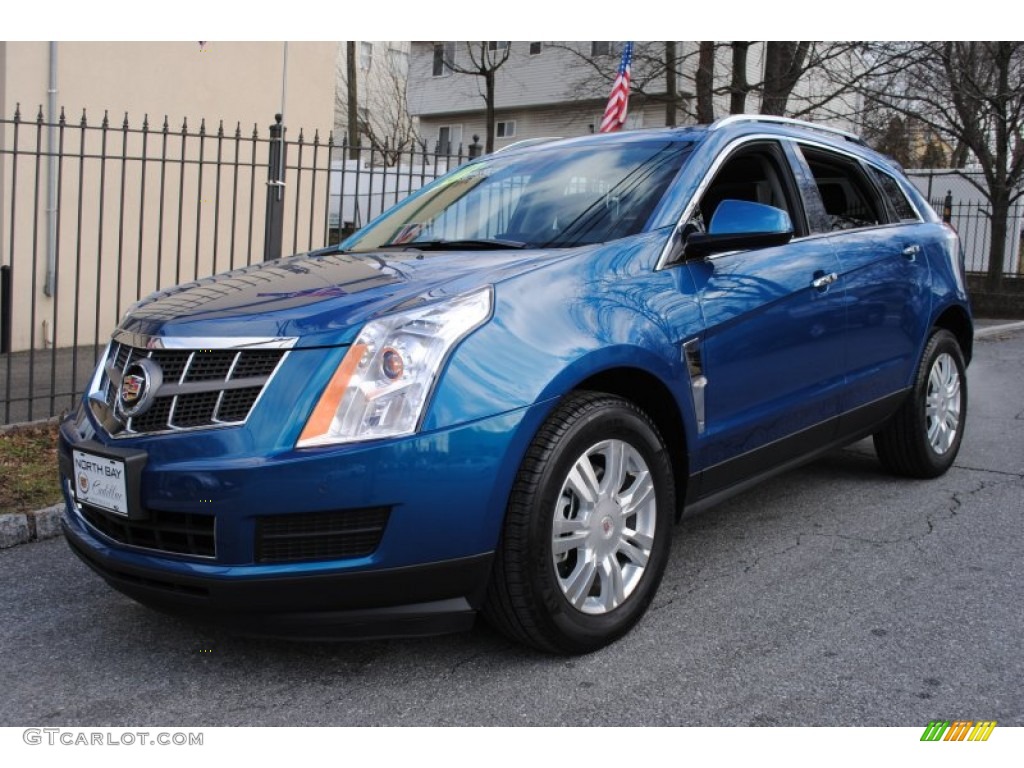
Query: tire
[[923, 437], [580, 557]]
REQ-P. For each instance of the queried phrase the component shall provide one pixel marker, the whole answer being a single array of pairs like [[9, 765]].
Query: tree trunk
[[671, 89], [353, 101], [489, 96], [784, 64], [997, 250], [739, 87], [705, 82], [959, 157]]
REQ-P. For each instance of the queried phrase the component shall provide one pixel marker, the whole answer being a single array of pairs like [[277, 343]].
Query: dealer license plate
[[100, 481]]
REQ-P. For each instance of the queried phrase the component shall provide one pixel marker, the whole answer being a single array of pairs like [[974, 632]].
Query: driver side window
[[753, 174]]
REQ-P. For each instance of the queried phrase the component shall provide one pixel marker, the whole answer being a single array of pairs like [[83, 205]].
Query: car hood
[[321, 298]]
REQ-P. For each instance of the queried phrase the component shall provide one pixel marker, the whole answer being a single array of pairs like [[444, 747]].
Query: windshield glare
[[551, 197]]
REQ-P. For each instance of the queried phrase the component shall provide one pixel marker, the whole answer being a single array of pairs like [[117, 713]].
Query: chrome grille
[[201, 387]]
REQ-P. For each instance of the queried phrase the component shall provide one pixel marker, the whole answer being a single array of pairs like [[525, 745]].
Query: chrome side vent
[[698, 381]]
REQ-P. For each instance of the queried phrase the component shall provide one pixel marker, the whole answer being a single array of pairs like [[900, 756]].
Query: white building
[[382, 68], [561, 88]]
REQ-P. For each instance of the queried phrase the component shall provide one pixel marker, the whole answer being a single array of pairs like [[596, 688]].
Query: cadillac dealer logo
[[131, 389], [139, 384]]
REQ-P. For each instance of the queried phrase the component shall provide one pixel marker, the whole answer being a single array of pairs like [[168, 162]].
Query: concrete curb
[[23, 527], [995, 330]]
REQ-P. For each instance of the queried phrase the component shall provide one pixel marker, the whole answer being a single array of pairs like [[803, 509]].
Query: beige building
[[79, 224], [226, 81]]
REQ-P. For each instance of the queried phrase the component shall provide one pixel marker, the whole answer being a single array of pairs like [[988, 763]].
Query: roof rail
[[731, 119]]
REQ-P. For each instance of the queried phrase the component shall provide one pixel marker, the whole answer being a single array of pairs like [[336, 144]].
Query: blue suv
[[500, 395]]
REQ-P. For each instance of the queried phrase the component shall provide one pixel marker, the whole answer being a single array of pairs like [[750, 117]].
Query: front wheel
[[924, 436], [587, 530]]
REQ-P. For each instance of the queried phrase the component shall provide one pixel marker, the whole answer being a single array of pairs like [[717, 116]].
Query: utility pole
[[353, 101]]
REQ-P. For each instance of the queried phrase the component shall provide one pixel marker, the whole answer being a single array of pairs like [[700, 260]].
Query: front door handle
[[823, 281]]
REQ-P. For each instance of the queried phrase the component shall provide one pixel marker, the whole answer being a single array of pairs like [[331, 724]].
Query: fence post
[[947, 207], [273, 233], [475, 148], [6, 314]]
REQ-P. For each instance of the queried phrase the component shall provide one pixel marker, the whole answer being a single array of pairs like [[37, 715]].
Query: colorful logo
[[140, 382], [131, 386], [958, 730]]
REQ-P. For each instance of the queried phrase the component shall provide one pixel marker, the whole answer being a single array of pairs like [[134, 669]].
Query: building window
[[365, 56], [600, 48], [505, 129], [534, 48], [398, 61], [444, 57], [494, 45]]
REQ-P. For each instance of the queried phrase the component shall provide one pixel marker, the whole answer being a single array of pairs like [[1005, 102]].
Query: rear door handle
[[911, 251], [824, 281]]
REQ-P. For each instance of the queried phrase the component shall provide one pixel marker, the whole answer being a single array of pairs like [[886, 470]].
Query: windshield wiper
[[457, 245]]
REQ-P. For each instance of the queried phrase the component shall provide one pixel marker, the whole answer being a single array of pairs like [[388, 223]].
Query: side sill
[[739, 474]]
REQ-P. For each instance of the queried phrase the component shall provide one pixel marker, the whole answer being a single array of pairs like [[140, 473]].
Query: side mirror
[[739, 225]]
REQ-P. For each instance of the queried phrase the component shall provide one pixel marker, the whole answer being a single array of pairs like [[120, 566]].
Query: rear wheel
[[924, 436], [587, 531]]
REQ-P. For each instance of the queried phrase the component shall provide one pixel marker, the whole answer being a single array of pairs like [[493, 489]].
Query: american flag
[[615, 113]]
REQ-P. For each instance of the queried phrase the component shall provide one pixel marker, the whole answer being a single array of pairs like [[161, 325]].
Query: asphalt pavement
[[831, 595]]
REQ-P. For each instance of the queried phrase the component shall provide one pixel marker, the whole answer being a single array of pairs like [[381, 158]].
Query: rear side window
[[894, 193], [849, 199]]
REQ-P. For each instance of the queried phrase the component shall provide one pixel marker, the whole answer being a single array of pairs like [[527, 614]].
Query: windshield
[[548, 197]]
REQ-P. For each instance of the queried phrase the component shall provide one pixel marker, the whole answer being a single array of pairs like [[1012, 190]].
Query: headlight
[[381, 385]]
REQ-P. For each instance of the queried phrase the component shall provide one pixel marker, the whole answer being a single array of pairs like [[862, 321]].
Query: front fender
[[558, 326]]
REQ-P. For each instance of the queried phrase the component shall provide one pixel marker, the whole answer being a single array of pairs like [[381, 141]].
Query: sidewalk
[[986, 328]]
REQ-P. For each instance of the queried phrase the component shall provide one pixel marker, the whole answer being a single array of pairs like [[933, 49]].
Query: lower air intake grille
[[319, 535], [180, 533]]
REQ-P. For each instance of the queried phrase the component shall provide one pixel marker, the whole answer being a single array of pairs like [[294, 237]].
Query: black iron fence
[[958, 196], [972, 219], [96, 215]]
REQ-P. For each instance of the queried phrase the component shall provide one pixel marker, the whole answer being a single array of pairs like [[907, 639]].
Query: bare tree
[[972, 93], [482, 59], [671, 88], [891, 134], [784, 64], [739, 87], [692, 78], [378, 112], [902, 137], [705, 82], [656, 74], [813, 66], [388, 125]]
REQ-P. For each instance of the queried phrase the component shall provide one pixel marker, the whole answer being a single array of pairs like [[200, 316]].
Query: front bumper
[[446, 492], [415, 600]]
